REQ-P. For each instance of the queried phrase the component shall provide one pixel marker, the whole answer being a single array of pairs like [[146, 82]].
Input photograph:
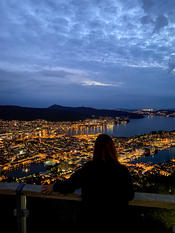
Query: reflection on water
[[159, 157], [90, 130], [95, 129], [134, 127], [145, 125], [26, 169], [22, 172]]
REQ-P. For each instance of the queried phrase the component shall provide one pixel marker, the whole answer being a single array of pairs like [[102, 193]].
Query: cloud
[[171, 63], [160, 23], [147, 5], [77, 32], [75, 45], [146, 19], [95, 83]]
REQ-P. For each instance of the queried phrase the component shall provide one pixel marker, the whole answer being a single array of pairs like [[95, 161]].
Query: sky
[[100, 53]]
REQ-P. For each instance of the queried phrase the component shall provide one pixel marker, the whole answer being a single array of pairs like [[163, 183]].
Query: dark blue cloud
[[161, 21], [78, 51]]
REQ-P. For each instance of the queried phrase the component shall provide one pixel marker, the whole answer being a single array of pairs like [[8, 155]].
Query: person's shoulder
[[82, 170], [122, 167], [92, 165], [87, 168], [89, 164]]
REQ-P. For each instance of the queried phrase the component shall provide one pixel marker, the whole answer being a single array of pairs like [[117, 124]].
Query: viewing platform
[[25, 209]]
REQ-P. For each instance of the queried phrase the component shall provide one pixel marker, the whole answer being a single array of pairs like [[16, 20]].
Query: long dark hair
[[104, 149]]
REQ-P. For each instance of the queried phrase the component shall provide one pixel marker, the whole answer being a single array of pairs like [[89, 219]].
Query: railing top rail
[[140, 199], [32, 190]]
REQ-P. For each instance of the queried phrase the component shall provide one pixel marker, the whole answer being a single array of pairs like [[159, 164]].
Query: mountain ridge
[[59, 113]]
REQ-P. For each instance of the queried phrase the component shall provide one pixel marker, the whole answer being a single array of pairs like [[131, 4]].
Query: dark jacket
[[106, 190]]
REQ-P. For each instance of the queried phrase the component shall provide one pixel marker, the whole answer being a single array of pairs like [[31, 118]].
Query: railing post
[[21, 211], [173, 228], [24, 214]]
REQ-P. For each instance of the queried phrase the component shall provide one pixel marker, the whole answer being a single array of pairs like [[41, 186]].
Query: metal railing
[[22, 191]]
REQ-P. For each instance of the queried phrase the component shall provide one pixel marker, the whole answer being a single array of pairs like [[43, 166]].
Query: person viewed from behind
[[106, 188]]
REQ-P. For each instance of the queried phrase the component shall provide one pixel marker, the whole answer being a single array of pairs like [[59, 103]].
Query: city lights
[[58, 148]]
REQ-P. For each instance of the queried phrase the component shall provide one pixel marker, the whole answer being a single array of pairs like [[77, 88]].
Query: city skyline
[[101, 54]]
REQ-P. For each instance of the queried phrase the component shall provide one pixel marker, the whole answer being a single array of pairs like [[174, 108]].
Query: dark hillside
[[59, 113]]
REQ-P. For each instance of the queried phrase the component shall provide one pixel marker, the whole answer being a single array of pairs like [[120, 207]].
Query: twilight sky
[[98, 53]]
